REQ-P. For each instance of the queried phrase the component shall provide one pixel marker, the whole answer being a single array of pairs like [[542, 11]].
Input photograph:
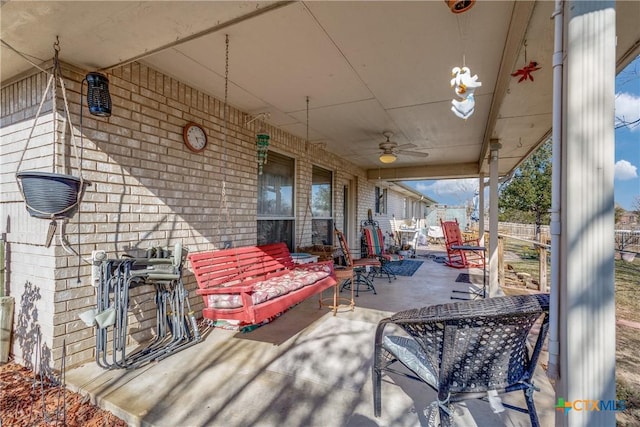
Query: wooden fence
[[524, 231]]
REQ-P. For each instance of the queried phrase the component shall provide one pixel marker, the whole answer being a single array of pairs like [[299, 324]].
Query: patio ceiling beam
[[460, 170], [522, 12], [214, 29]]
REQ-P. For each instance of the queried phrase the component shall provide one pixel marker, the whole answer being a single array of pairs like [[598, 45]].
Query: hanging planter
[[51, 195]]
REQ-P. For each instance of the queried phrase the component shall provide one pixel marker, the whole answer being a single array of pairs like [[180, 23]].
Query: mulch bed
[[25, 401]]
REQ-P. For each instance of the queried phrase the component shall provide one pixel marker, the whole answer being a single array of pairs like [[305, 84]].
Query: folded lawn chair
[[362, 268], [461, 258], [375, 248], [465, 350]]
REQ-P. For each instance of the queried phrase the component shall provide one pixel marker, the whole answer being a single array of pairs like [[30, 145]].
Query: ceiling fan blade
[[403, 146], [412, 153]]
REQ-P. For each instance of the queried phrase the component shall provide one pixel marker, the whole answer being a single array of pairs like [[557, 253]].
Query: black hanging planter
[[51, 195]]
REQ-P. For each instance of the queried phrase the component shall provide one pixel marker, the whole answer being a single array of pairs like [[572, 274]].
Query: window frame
[[380, 201], [277, 219], [327, 219]]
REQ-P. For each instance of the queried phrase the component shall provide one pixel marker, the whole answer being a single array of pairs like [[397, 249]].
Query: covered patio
[[306, 368], [352, 95]]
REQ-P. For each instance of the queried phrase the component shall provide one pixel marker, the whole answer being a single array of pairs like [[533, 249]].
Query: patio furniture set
[[464, 350]]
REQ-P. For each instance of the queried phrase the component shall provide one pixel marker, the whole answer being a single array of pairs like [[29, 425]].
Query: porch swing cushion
[[303, 275], [251, 284]]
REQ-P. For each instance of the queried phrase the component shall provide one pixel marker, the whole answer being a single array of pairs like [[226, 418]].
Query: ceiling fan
[[391, 149]]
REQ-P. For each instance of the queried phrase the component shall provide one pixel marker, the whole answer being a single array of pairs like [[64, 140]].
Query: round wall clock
[[195, 138]]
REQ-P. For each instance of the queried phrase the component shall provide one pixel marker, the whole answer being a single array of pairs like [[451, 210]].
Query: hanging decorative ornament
[[459, 6], [262, 140], [464, 86], [262, 146], [525, 72]]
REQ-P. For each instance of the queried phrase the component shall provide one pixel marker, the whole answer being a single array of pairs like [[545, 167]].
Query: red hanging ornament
[[525, 72]]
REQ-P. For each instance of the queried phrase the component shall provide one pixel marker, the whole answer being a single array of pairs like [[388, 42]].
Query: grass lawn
[[628, 340], [521, 258]]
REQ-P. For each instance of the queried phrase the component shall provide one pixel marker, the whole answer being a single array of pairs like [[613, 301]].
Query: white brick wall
[[147, 190]]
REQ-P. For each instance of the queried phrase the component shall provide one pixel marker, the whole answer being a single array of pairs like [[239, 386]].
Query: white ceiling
[[366, 66]]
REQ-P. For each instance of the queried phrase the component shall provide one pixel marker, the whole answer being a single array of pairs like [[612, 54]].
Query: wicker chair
[[465, 350]]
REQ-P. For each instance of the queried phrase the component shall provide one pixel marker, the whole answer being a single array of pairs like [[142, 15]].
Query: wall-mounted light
[[459, 6], [98, 98], [387, 157]]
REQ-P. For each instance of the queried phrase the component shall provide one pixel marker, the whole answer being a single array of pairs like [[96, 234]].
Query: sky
[[456, 192]]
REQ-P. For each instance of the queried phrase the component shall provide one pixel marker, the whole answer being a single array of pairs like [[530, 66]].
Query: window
[[275, 201], [321, 206], [381, 201]]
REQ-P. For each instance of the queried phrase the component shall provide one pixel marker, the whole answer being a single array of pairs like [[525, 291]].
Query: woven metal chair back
[[478, 346]]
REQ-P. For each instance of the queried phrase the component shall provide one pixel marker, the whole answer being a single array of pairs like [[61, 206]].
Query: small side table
[[342, 274], [302, 258], [480, 293]]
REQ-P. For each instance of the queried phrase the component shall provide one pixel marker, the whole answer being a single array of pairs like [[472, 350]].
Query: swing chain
[[223, 190]]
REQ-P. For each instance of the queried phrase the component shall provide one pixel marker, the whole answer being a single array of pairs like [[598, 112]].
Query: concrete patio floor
[[306, 368]]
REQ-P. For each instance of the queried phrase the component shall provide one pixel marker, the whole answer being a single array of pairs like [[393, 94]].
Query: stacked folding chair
[[176, 326]]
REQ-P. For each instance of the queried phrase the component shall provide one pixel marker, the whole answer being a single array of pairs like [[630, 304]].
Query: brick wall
[[147, 190]]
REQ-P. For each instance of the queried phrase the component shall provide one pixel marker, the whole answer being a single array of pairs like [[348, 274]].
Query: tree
[[526, 197], [626, 117], [618, 211]]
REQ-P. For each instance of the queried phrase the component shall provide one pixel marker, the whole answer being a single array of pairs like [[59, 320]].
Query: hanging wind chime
[[262, 148], [262, 141]]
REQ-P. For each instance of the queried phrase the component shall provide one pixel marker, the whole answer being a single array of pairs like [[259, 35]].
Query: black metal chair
[[465, 350], [362, 268]]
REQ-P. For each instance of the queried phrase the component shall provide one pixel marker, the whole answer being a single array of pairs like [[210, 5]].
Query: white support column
[[494, 289], [481, 208], [587, 297]]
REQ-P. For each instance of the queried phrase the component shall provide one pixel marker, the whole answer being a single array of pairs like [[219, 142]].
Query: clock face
[[195, 137]]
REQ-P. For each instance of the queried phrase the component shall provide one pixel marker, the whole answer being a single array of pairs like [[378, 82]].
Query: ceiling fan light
[[388, 157]]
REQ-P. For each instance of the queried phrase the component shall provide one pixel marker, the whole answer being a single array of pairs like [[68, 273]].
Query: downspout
[[553, 371]]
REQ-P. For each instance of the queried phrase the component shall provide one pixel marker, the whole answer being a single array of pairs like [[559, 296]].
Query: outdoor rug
[[404, 268], [474, 279], [337, 353], [439, 258]]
